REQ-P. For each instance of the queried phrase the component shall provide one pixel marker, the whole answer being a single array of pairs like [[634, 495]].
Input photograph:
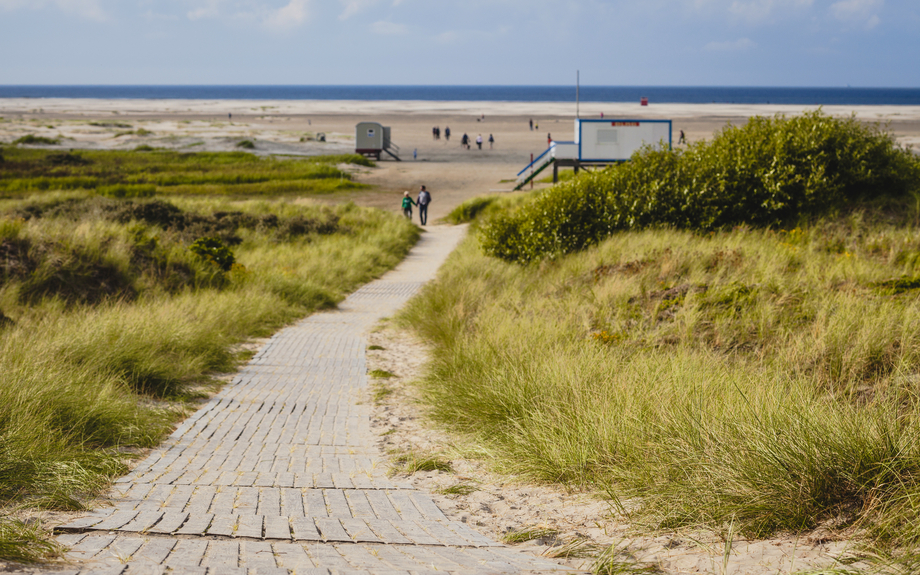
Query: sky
[[865, 43]]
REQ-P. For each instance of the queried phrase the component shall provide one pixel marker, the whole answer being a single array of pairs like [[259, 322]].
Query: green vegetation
[[616, 560], [246, 144], [765, 378], [771, 172], [754, 375], [413, 462], [213, 250], [110, 125], [108, 317], [564, 176], [458, 489], [20, 541], [379, 392], [527, 534], [32, 140], [170, 172], [381, 374], [375, 348]]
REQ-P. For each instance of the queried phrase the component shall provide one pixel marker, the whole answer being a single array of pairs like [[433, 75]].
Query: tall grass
[[104, 317], [238, 173], [766, 378]]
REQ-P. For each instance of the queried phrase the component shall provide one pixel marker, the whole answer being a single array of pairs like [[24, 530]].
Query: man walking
[[424, 198]]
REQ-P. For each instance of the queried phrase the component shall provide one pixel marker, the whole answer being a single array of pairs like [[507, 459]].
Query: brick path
[[279, 472]]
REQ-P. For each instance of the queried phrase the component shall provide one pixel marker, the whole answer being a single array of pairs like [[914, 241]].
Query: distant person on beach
[[549, 139], [531, 124], [415, 154], [602, 115], [479, 141], [424, 198], [407, 205], [447, 133], [465, 141], [230, 117], [434, 133], [682, 139], [491, 141]]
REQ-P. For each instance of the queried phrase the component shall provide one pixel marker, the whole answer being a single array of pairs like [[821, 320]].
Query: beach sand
[[452, 173]]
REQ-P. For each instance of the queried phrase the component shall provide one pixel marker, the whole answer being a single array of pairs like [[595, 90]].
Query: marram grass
[[763, 377], [103, 319]]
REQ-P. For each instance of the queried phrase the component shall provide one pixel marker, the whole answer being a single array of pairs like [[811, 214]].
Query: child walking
[[407, 205]]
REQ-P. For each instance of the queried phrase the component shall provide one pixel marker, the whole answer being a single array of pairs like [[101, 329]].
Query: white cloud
[[389, 28], [858, 11], [211, 9], [89, 9], [353, 7], [267, 13], [739, 45], [760, 10], [294, 14]]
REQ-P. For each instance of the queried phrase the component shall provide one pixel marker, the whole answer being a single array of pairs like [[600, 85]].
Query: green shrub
[[37, 141], [470, 210], [246, 144], [128, 191], [213, 250], [771, 172]]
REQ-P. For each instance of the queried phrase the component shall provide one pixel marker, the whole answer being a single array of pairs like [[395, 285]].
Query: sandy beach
[[291, 127]]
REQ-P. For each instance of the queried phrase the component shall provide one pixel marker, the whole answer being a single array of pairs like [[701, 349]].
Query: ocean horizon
[[655, 94]]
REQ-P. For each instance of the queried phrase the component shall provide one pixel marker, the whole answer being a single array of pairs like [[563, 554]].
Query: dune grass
[[171, 172], [108, 318], [765, 378]]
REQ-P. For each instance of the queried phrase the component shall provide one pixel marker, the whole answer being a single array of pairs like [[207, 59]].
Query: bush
[[127, 190], [246, 144], [37, 141], [771, 172], [470, 210], [213, 250]]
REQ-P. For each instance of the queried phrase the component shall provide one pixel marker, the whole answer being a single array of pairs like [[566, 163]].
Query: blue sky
[[542, 42]]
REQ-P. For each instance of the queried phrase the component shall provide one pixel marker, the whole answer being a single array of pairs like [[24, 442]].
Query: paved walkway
[[279, 472]]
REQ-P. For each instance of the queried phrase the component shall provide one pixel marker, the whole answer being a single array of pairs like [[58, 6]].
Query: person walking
[[424, 198], [465, 141], [479, 141], [549, 139], [682, 139], [531, 124], [491, 141], [447, 133], [407, 204]]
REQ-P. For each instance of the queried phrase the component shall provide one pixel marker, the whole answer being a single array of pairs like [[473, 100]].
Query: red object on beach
[[643, 101]]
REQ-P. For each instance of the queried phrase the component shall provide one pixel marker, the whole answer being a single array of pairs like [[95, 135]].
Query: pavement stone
[[279, 473]]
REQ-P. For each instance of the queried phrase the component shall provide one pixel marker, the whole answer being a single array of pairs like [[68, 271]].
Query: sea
[[655, 94]]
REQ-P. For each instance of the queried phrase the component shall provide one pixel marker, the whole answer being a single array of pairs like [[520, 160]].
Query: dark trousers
[[423, 213]]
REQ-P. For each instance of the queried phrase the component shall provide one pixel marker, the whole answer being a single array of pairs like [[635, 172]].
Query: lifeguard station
[[372, 139], [598, 143]]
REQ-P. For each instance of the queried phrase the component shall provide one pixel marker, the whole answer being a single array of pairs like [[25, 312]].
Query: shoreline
[[153, 107]]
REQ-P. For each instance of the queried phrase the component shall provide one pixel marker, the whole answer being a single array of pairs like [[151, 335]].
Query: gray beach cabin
[[371, 139]]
